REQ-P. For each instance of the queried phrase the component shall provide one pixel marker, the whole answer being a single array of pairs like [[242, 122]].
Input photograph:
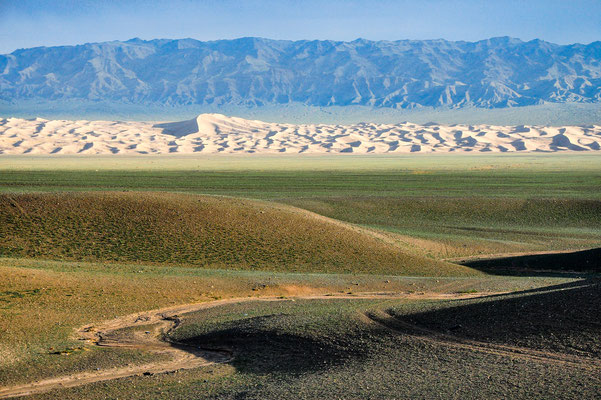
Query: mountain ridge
[[403, 74]]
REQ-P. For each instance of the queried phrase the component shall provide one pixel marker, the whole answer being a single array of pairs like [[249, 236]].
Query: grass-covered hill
[[212, 232], [457, 226]]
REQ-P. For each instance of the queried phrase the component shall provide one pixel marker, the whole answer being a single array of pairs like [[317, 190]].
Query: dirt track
[[157, 324], [151, 329]]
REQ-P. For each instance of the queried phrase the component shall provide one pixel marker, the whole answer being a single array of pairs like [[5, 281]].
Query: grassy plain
[[455, 205], [72, 259], [280, 177]]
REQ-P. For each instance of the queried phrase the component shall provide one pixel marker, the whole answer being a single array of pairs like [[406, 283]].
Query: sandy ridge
[[216, 133]]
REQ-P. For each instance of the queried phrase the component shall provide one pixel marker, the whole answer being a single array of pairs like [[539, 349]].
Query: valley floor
[[458, 327]]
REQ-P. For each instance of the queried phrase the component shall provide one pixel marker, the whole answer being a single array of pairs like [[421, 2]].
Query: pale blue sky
[[29, 23]]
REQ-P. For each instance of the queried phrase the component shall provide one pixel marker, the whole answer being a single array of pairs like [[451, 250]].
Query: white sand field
[[216, 133]]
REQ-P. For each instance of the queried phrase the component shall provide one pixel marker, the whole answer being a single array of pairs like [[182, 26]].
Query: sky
[[31, 23]]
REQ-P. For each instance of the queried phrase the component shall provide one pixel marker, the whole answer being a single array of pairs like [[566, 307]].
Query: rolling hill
[[209, 232]]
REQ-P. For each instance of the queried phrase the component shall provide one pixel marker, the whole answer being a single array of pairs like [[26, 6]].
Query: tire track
[[391, 322], [155, 339], [149, 331]]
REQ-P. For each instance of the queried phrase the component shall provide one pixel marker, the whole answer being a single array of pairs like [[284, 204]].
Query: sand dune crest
[[216, 133]]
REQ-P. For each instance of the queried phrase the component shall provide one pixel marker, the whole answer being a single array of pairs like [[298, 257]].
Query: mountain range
[[404, 74]]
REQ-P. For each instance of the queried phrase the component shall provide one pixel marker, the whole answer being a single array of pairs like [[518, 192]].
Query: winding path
[[149, 331]]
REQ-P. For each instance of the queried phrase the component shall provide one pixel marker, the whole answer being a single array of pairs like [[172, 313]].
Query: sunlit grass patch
[[202, 231]]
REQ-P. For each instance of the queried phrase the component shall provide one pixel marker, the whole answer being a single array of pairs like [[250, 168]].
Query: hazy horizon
[[37, 23], [301, 40]]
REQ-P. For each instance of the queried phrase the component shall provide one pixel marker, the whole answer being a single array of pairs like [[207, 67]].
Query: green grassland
[[87, 239], [520, 176], [456, 205], [208, 232]]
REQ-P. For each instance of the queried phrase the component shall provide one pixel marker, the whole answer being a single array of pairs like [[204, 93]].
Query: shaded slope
[[352, 357], [209, 232], [562, 318], [581, 261]]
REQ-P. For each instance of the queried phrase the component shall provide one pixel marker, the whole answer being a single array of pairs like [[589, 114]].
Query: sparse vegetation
[[332, 348], [69, 260], [449, 227], [56, 297], [209, 232]]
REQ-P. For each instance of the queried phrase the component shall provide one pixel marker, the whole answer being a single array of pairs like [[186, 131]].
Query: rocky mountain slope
[[498, 72]]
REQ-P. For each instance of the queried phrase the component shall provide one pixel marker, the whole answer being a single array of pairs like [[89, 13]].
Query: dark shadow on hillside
[[541, 264], [178, 129], [563, 318], [261, 349]]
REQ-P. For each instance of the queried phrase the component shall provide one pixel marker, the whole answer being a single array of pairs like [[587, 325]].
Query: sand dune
[[216, 133]]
